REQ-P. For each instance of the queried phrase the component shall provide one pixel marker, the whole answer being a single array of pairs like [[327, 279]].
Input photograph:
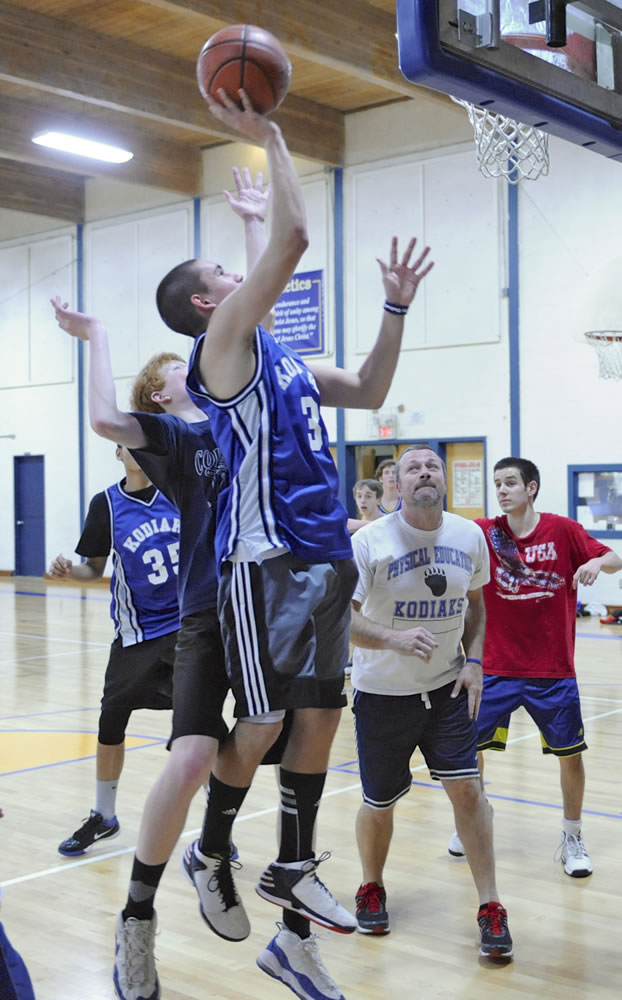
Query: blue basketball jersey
[[145, 553], [283, 481]]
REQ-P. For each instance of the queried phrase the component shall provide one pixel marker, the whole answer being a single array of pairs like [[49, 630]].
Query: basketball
[[249, 57]]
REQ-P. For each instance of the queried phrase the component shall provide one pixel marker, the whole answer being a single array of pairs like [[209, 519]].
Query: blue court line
[[154, 741], [81, 732], [59, 711], [597, 635], [528, 802], [43, 593], [437, 786]]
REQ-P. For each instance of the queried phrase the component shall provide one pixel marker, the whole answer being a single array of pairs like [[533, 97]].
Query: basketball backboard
[[554, 64]]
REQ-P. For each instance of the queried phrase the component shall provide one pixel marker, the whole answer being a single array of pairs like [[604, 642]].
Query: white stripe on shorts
[[247, 639]]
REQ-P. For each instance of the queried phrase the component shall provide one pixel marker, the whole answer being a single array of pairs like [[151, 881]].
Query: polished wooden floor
[[60, 913]]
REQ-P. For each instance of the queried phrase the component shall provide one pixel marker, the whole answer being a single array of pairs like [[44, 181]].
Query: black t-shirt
[[183, 461], [95, 539]]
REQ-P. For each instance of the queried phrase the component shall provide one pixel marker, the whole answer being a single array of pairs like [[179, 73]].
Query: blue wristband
[[471, 659], [397, 310]]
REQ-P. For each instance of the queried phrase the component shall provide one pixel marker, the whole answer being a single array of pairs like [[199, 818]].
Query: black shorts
[[200, 681], [286, 627], [140, 676]]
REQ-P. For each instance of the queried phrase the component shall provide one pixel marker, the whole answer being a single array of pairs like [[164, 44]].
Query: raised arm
[[250, 202], [368, 387], [106, 418], [227, 358]]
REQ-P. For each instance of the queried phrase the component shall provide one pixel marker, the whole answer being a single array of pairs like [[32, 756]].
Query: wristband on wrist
[[471, 659], [395, 308]]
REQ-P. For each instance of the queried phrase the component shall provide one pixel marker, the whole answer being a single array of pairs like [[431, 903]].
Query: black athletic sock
[[299, 925], [144, 882], [300, 800], [223, 804]]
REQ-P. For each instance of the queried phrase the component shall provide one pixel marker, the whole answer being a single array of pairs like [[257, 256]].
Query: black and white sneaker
[[219, 903], [93, 829], [296, 887]]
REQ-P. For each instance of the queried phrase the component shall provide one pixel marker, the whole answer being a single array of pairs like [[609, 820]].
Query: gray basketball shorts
[[286, 626]]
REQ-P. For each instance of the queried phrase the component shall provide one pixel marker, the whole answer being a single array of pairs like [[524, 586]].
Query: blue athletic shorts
[[553, 705], [389, 728]]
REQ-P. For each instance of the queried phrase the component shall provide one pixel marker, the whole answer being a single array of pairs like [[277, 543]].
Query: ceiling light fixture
[[83, 147]]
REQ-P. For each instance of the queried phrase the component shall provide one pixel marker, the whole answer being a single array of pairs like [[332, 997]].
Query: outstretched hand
[[251, 201], [76, 324], [400, 279], [247, 122]]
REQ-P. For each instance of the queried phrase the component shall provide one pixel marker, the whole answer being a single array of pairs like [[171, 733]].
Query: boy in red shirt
[[536, 562]]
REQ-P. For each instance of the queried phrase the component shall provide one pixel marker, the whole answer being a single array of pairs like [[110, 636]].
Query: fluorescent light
[[83, 147]]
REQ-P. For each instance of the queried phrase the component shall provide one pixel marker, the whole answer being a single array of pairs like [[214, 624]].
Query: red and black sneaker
[[371, 911], [493, 926]]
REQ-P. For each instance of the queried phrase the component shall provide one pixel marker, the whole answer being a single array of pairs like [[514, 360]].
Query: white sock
[[106, 798], [571, 827]]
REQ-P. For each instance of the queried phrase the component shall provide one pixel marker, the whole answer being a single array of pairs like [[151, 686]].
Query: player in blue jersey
[[140, 527], [282, 540], [171, 438]]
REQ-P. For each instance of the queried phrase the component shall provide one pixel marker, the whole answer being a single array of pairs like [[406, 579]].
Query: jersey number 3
[[311, 411]]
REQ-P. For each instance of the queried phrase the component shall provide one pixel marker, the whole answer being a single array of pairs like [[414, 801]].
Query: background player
[[137, 523], [367, 494], [391, 499], [537, 561]]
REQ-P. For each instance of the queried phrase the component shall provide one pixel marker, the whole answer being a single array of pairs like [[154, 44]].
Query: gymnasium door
[[29, 515]]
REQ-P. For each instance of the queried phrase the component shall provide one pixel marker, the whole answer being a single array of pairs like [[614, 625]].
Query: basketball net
[[506, 148], [608, 346]]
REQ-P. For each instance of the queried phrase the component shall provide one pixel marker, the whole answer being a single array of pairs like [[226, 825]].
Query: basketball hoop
[[506, 148], [608, 346]]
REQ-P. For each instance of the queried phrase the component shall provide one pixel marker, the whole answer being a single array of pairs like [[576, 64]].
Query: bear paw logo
[[436, 580]]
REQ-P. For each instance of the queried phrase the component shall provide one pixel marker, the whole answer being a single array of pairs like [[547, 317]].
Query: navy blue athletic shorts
[[389, 728]]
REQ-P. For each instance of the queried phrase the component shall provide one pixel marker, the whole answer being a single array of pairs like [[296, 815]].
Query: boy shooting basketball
[[282, 541]]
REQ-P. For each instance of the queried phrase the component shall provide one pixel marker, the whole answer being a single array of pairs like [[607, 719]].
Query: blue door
[[29, 515]]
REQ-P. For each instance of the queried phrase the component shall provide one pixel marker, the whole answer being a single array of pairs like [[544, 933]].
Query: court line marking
[[57, 711], [44, 656], [53, 593], [51, 638], [597, 635], [327, 795], [153, 741]]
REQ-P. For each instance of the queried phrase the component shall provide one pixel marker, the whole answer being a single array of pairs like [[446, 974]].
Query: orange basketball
[[249, 57]]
